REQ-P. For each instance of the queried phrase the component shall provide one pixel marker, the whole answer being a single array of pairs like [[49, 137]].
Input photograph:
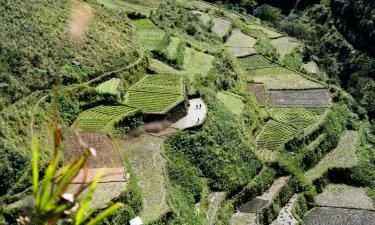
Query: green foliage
[[110, 86], [103, 118], [173, 17], [293, 61], [212, 149], [68, 107], [264, 47], [32, 59], [256, 62], [156, 94], [268, 13], [151, 37]]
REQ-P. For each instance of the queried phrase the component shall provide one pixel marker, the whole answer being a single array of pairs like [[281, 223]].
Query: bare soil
[[107, 154], [301, 98], [257, 90]]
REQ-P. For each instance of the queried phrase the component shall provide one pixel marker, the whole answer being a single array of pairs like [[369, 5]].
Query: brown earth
[[301, 98], [109, 175], [258, 92], [107, 155]]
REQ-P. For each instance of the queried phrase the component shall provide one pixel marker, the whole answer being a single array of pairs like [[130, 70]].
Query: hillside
[[230, 112]]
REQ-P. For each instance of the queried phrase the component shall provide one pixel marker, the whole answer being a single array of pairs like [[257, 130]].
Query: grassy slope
[[233, 102], [35, 42]]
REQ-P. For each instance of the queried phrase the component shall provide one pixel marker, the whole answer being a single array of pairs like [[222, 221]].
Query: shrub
[[268, 13]]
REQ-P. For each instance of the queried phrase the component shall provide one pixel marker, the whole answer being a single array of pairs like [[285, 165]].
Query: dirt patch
[[240, 44], [221, 26], [257, 90], [109, 175], [240, 218], [107, 154], [339, 195], [284, 45], [103, 194], [301, 98], [274, 189], [145, 154], [253, 206], [215, 200], [335, 216]]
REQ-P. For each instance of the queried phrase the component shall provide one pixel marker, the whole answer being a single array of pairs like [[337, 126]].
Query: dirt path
[[286, 215], [195, 117], [215, 199], [247, 213], [145, 154]]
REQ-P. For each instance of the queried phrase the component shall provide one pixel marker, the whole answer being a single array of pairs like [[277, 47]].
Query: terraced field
[[286, 82], [284, 125], [232, 102], [156, 94], [300, 118], [109, 86], [203, 17], [151, 36], [102, 118], [343, 156], [221, 26], [254, 62], [197, 62], [274, 135], [314, 98], [284, 45], [270, 33], [240, 44], [272, 71], [257, 90], [173, 47]]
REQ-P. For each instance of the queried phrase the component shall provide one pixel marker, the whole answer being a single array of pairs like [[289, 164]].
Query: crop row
[[256, 62], [102, 117], [299, 118], [272, 71], [150, 102], [274, 135]]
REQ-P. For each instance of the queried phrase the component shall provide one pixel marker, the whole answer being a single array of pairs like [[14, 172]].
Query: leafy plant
[[52, 202]]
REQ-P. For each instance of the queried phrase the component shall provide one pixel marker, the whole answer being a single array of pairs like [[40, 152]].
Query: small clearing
[[240, 44], [203, 17], [343, 156], [231, 101], [215, 200], [145, 154], [256, 62], [151, 36], [107, 155], [286, 214], [196, 115], [197, 62], [311, 67], [109, 86], [173, 47], [291, 81], [270, 33], [162, 68], [284, 45], [257, 90], [221, 26], [117, 174], [314, 98], [341, 195], [335, 216], [240, 218]]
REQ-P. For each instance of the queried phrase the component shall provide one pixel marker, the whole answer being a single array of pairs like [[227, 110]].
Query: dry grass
[[340, 195], [240, 44], [145, 154], [197, 62], [257, 90], [221, 26], [240, 218], [284, 45], [343, 156]]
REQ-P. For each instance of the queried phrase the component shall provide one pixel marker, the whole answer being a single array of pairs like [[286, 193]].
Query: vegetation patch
[[197, 62], [341, 195], [284, 45], [103, 118], [146, 158], [286, 81], [300, 118], [203, 17], [257, 90], [110, 86], [256, 62], [221, 26], [343, 156], [270, 33], [150, 36], [233, 102], [274, 135], [156, 94], [240, 44], [314, 98]]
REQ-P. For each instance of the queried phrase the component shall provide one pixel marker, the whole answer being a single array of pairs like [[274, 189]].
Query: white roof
[[136, 221]]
